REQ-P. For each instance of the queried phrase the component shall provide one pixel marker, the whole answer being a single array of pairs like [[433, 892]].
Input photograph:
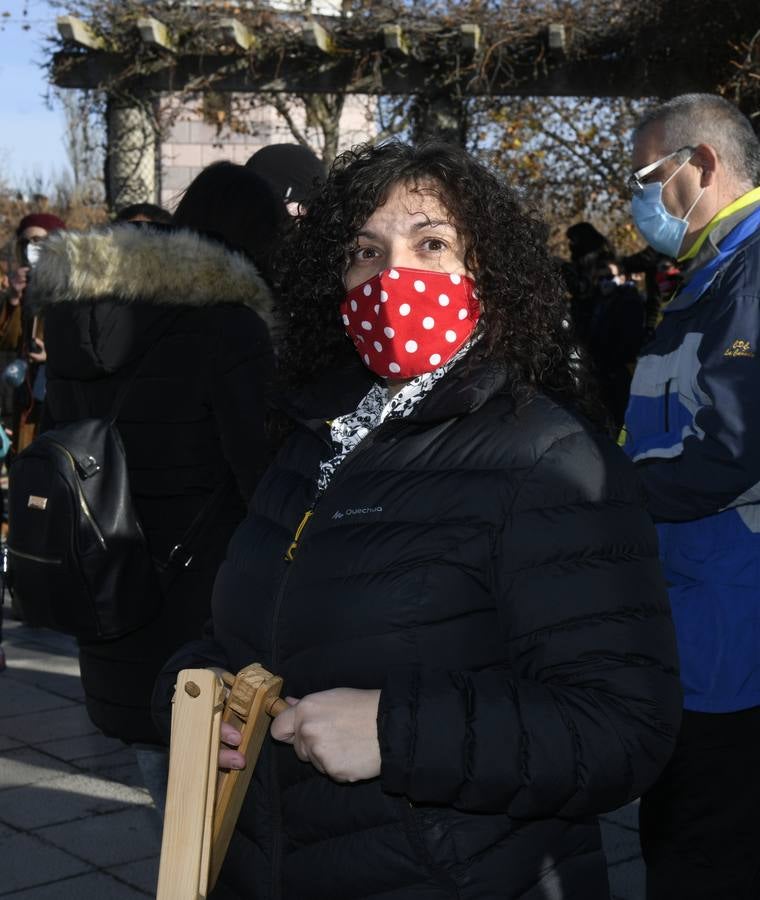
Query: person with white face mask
[[692, 428], [21, 361]]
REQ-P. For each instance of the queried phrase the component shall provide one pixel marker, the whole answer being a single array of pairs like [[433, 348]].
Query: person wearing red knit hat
[[32, 229], [46, 221]]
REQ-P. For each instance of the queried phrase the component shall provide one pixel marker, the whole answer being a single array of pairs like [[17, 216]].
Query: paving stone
[[96, 886], [19, 633], [28, 861], [18, 699], [626, 816], [619, 843], [64, 684], [70, 721], [628, 880], [127, 774], [23, 656], [141, 874], [113, 759], [86, 747], [28, 766], [108, 840], [64, 799]]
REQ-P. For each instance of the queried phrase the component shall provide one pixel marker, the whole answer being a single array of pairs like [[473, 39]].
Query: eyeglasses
[[634, 182]]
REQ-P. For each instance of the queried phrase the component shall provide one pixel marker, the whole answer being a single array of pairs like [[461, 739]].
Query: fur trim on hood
[[145, 265]]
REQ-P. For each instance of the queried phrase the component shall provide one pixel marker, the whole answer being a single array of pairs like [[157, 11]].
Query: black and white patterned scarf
[[349, 431]]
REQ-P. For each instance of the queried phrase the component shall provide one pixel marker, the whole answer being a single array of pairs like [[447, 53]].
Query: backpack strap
[[181, 554]]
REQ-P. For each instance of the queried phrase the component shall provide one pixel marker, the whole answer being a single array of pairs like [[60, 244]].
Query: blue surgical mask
[[660, 229]]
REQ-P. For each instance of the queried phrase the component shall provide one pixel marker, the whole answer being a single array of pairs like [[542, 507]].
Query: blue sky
[[31, 134]]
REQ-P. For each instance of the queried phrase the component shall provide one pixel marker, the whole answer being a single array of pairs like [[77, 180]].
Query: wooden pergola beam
[[622, 77], [557, 40], [317, 36], [155, 33], [232, 31], [395, 40], [470, 37], [74, 31], [307, 58]]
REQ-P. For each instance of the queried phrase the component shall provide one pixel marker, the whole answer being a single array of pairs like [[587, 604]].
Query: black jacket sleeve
[[583, 714]]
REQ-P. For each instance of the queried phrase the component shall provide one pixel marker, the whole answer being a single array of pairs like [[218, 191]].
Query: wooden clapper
[[203, 803]]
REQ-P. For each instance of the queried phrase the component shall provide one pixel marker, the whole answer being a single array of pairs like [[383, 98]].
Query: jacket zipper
[[366, 444], [667, 404], [291, 551], [83, 502], [40, 559], [289, 560]]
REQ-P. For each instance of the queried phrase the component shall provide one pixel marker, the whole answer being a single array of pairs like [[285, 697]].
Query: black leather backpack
[[78, 558]]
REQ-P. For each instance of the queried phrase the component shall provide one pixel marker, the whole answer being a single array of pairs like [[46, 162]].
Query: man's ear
[[706, 159]]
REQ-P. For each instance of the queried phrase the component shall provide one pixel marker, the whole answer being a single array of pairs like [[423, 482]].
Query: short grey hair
[[692, 119]]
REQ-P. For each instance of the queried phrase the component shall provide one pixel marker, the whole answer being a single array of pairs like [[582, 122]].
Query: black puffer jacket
[[183, 315], [495, 574]]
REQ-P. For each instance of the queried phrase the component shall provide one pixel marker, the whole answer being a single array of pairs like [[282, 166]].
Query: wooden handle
[[276, 706]]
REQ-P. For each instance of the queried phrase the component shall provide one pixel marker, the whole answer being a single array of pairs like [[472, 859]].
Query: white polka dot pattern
[[425, 317]]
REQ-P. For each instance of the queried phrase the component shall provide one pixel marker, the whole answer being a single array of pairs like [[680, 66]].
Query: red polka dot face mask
[[405, 322]]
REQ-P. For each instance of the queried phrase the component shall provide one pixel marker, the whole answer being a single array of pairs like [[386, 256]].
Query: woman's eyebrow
[[431, 223]]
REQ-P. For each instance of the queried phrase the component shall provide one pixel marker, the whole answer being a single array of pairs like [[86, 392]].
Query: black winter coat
[[182, 316], [494, 572]]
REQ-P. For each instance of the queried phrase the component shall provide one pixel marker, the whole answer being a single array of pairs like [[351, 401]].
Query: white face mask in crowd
[[32, 254], [660, 229]]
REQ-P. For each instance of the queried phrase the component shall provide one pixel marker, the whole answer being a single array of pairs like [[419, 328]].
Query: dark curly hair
[[524, 320]]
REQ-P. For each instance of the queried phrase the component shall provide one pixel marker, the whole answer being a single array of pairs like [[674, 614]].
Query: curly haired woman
[[449, 565]]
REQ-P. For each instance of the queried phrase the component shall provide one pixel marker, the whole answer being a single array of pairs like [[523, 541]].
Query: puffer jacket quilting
[[495, 574]]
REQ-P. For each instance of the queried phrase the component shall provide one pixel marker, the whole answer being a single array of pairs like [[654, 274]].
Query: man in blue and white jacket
[[693, 428]]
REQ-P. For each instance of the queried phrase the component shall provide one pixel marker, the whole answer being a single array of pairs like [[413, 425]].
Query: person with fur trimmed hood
[[183, 312]]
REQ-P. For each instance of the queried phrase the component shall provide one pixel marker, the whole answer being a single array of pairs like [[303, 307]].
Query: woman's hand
[[38, 356], [336, 731], [19, 281], [229, 758]]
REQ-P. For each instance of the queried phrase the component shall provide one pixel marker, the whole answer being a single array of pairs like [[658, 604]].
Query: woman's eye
[[359, 253], [436, 245]]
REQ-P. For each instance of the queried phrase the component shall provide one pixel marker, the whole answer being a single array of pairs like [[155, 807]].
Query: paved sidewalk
[[75, 821]]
